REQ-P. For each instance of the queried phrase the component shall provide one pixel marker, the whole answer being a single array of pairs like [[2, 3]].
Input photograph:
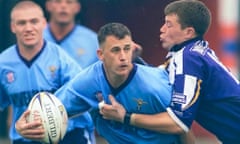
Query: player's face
[[28, 25], [116, 55], [63, 11], [172, 33]]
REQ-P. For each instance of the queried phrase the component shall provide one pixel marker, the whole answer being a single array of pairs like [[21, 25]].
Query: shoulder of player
[[198, 48], [9, 52], [55, 49], [94, 67], [191, 53], [80, 29], [151, 71], [92, 74], [146, 67], [53, 46]]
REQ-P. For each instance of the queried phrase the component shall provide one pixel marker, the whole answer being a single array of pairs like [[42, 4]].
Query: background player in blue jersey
[[77, 40], [203, 88], [30, 66], [117, 76], [81, 44]]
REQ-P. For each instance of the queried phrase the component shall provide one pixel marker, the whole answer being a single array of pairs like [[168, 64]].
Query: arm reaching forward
[[161, 122]]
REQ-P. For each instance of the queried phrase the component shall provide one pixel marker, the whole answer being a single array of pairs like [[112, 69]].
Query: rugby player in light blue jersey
[[81, 44], [140, 89], [30, 66], [203, 88]]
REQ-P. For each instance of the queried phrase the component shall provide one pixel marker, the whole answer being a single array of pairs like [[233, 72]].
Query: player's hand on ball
[[30, 130], [115, 111]]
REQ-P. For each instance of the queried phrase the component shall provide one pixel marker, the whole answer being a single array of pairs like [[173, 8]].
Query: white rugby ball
[[53, 114]]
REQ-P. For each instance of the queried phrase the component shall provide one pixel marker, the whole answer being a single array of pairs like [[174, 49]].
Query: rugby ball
[[52, 113]]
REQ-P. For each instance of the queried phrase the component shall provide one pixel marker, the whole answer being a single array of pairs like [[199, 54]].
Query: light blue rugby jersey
[[20, 80], [81, 44], [146, 91], [204, 90]]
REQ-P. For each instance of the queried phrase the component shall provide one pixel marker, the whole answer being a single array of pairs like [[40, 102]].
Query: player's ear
[[100, 53], [13, 27], [44, 22], [78, 7], [190, 32]]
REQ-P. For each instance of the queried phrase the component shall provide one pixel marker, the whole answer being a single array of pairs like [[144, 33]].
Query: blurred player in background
[[80, 43], [203, 88], [77, 40], [30, 66]]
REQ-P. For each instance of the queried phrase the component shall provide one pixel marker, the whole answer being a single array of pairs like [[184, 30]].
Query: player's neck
[[29, 52], [60, 31], [116, 80]]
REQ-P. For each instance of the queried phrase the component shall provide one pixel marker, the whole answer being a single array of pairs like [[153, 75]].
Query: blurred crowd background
[[144, 18]]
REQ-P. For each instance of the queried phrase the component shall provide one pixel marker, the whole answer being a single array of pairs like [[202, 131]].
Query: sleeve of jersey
[[73, 104], [188, 76], [4, 100], [76, 95]]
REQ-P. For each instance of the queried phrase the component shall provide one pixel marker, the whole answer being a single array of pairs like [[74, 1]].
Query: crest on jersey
[[80, 51], [140, 102], [52, 69], [10, 77], [99, 96]]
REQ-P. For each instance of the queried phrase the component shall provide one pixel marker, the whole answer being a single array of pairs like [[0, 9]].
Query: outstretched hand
[[30, 130], [115, 111]]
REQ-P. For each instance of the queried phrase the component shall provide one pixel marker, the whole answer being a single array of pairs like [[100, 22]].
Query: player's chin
[[30, 43], [166, 46], [123, 72], [64, 20]]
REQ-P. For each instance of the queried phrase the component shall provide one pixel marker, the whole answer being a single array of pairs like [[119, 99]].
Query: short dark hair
[[191, 13], [115, 29]]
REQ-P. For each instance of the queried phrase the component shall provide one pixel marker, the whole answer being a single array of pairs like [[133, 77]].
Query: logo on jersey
[[183, 101], [52, 69], [10, 77], [99, 96], [200, 48], [179, 98], [140, 102], [80, 51]]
